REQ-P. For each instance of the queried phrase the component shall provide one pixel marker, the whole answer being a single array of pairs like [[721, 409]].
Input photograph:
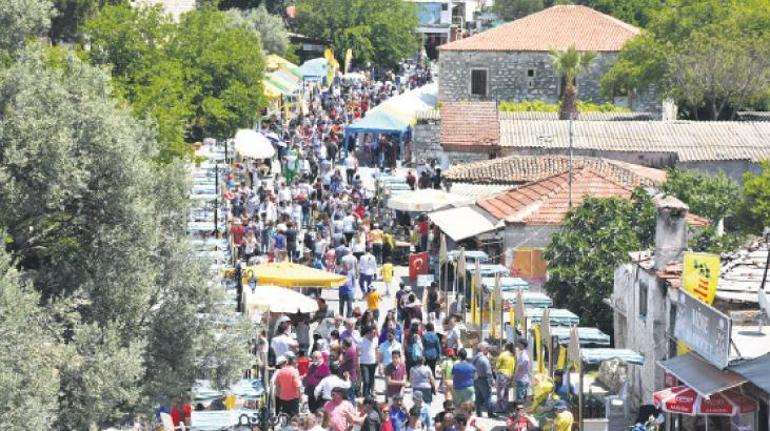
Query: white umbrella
[[277, 300], [424, 200], [249, 143]]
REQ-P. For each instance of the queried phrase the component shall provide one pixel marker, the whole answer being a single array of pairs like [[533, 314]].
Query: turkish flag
[[418, 264]]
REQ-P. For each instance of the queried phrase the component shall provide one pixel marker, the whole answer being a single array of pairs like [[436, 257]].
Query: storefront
[[703, 397]]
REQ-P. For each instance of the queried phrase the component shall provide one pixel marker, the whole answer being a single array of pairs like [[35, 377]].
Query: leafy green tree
[[635, 12], [382, 32], [95, 222], [272, 31], [224, 68], [592, 241], [712, 196], [510, 10], [570, 64], [710, 55], [754, 213], [22, 19], [197, 78], [273, 6], [29, 354]]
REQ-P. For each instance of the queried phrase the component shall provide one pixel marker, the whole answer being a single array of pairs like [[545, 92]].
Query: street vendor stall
[[423, 200], [261, 298], [287, 274], [252, 144]]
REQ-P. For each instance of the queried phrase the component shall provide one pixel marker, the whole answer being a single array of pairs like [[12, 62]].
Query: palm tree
[[570, 64]]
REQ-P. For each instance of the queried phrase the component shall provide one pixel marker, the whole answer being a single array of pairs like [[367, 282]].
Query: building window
[[643, 288], [531, 73], [479, 82]]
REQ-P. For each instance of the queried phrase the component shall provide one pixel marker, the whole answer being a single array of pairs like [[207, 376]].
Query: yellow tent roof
[[287, 274]]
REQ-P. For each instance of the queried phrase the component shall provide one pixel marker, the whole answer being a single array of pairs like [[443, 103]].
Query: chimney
[[670, 230]]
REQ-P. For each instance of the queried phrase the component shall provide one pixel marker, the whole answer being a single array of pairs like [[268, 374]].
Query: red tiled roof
[[524, 169], [555, 28], [469, 125], [546, 202]]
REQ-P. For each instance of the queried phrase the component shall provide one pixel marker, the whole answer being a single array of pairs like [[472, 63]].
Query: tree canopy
[[272, 31], [22, 19], [592, 241], [384, 31], [200, 77], [96, 227], [711, 56]]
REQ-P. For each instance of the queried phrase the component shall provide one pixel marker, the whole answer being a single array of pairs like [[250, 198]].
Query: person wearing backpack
[[413, 347], [431, 347]]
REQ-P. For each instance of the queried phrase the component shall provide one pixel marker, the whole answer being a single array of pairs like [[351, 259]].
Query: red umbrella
[[682, 399]]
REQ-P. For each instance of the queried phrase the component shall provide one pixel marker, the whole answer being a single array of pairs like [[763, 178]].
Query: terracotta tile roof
[[435, 115], [524, 169], [469, 125], [686, 140], [557, 27], [546, 202]]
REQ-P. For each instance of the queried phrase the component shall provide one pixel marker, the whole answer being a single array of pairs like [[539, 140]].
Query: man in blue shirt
[[346, 293], [463, 373]]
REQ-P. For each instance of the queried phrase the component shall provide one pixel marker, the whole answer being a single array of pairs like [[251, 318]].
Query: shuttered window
[[478, 82]]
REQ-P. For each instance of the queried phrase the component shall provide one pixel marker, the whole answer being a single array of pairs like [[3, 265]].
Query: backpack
[[431, 346], [415, 350]]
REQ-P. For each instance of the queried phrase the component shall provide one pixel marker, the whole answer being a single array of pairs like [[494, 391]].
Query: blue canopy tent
[[314, 70], [395, 116], [376, 123]]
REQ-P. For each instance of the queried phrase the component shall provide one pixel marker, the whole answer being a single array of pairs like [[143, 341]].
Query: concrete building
[[513, 62], [442, 21], [645, 301]]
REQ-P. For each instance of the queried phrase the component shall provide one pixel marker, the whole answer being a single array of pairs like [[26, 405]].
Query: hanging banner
[[418, 264], [348, 60]]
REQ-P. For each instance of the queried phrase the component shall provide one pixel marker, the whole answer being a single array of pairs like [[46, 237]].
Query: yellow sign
[[699, 278], [701, 275]]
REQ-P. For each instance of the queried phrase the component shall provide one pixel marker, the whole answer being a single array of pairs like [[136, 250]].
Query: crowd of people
[[314, 209]]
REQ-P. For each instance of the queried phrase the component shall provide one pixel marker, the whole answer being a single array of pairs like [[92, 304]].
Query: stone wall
[[523, 76], [427, 146]]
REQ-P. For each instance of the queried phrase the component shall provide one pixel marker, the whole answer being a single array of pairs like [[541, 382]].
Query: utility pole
[[571, 115]]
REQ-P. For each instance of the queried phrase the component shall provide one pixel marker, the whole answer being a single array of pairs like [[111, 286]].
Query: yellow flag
[[348, 60], [473, 300], [562, 358], [539, 349], [492, 325]]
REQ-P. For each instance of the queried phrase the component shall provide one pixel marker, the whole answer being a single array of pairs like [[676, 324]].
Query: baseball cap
[[561, 405]]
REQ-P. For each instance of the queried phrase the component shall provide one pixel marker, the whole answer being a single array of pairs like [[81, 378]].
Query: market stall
[[287, 274], [423, 200], [265, 298]]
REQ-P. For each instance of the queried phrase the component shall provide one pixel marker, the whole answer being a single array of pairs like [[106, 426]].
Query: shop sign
[[703, 328]]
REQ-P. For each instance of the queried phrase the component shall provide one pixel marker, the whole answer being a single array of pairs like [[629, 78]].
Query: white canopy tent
[[252, 144], [425, 200], [275, 299]]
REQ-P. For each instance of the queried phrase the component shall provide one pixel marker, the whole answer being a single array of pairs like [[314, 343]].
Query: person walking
[[395, 376], [431, 346], [323, 391], [318, 370], [521, 376], [368, 359], [423, 407], [349, 365], [397, 414], [346, 293], [505, 366], [482, 382], [373, 416], [367, 266], [288, 387], [373, 303], [385, 350], [421, 379], [462, 379], [446, 372], [340, 413]]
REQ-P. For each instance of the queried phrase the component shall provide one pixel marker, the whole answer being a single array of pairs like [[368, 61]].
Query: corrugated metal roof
[[688, 140], [755, 371], [701, 376]]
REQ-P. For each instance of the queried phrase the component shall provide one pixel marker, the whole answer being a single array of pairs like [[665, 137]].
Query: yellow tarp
[[286, 274]]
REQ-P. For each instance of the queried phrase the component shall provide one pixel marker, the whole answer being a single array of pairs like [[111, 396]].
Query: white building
[[173, 7], [442, 21]]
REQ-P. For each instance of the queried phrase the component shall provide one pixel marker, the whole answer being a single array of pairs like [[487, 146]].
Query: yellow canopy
[[287, 274]]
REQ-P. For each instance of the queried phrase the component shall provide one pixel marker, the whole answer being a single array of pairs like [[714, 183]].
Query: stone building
[[513, 62]]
